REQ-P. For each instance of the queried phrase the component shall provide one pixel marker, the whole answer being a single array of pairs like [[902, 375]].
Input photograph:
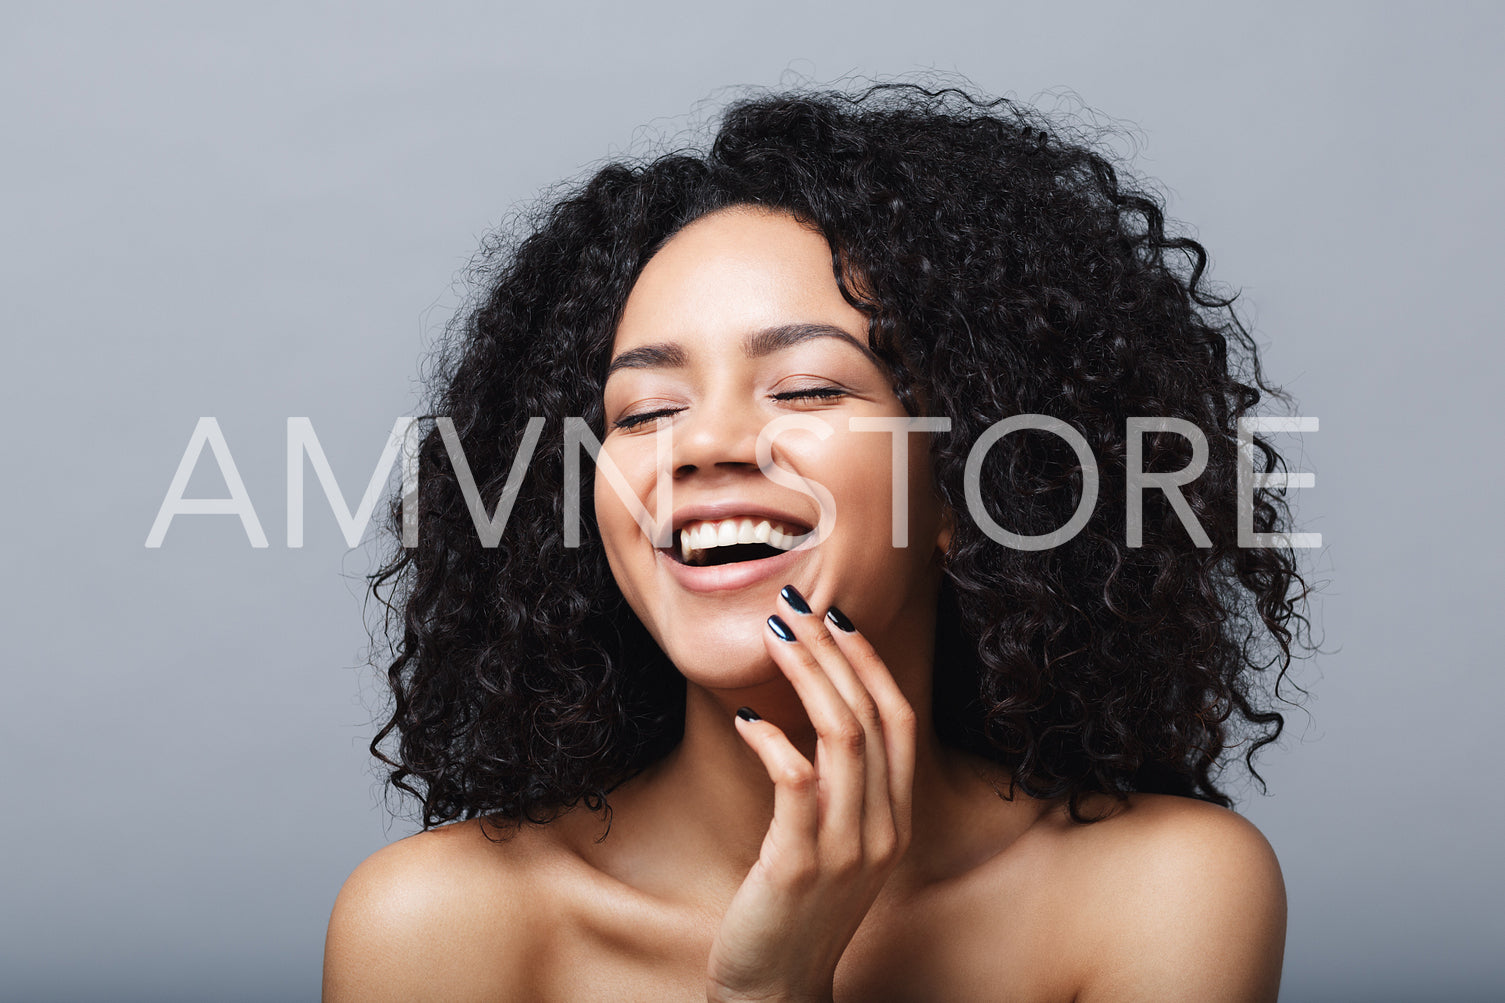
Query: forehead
[[736, 270]]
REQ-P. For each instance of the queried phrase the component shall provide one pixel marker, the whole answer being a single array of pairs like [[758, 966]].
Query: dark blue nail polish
[[748, 714], [795, 600], [780, 628], [839, 618]]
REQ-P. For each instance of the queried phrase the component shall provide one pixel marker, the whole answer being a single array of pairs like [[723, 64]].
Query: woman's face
[[737, 321]]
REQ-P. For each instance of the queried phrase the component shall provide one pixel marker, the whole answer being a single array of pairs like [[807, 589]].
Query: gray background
[[261, 212]]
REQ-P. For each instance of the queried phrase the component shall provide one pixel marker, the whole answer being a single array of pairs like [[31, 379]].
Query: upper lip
[[729, 507]]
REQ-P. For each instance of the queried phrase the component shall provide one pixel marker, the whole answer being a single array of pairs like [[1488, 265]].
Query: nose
[[719, 435]]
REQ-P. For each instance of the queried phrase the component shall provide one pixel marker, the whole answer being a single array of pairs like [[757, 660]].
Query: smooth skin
[[832, 849], [840, 825]]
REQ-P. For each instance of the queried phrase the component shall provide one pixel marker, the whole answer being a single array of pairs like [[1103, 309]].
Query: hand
[[839, 826]]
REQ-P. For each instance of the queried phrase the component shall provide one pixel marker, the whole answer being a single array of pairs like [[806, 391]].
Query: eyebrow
[[755, 345]]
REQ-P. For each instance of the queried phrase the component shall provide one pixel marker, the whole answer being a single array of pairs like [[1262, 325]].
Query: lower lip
[[726, 577]]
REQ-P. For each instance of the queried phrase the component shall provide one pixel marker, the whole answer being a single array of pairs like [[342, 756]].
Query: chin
[[725, 658]]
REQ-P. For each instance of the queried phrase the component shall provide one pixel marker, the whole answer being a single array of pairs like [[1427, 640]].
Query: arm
[[1197, 910]]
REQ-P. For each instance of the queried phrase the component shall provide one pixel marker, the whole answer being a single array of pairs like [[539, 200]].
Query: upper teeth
[[726, 532]]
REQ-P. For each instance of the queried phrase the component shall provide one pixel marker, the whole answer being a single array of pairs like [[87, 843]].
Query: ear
[[945, 534]]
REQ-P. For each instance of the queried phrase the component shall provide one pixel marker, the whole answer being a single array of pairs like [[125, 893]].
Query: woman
[[825, 737]]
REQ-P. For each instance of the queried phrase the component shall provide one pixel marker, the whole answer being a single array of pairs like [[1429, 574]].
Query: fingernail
[[748, 714], [795, 600], [780, 628], [839, 618]]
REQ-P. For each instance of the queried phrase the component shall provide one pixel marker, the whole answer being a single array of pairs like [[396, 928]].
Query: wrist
[[718, 993], [714, 996]]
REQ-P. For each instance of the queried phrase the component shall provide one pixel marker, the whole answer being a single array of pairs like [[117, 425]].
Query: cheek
[[619, 529], [859, 472], [857, 468]]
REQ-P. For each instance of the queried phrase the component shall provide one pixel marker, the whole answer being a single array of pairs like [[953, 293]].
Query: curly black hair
[[1006, 266]]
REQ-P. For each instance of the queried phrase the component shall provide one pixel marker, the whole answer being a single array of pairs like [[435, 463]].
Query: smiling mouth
[[734, 541]]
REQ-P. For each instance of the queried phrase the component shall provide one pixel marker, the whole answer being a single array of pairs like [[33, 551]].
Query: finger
[[840, 753], [878, 826], [899, 725], [795, 811]]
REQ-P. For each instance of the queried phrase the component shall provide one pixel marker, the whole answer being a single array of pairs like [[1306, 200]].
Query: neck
[[725, 788], [712, 798]]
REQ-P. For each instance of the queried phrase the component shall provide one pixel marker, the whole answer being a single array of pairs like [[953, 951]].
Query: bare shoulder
[[444, 914], [1187, 902]]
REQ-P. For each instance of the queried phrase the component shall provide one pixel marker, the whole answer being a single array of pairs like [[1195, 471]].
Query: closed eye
[[812, 392], [634, 420]]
